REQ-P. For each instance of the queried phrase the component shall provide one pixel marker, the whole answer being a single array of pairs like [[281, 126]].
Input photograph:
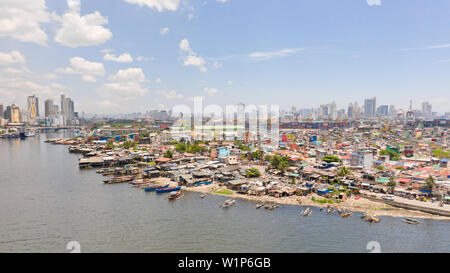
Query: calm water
[[46, 201]]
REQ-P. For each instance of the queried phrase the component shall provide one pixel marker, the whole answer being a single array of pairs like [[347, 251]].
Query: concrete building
[[426, 109], [33, 107], [49, 108], [370, 107]]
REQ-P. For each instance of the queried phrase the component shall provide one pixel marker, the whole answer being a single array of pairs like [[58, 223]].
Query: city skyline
[[164, 53]]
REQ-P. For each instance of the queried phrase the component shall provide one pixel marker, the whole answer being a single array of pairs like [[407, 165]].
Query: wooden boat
[[347, 214], [228, 203], [174, 195], [411, 221], [259, 205], [365, 214], [108, 173], [307, 212], [163, 190], [104, 171], [119, 179], [157, 187], [373, 219], [141, 182], [203, 195], [271, 206]]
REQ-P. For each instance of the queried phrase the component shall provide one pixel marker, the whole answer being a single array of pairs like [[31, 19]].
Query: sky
[[123, 56]]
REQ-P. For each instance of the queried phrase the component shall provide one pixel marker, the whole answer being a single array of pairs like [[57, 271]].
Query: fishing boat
[[119, 179], [141, 182], [154, 188], [271, 207], [307, 212], [411, 221], [347, 214], [105, 171], [365, 214], [373, 219], [163, 190], [228, 203], [173, 195], [259, 205], [203, 195]]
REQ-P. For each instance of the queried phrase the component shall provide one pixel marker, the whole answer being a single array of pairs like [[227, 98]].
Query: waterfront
[[46, 201]]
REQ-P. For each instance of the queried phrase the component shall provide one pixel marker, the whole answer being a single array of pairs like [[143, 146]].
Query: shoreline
[[351, 204]]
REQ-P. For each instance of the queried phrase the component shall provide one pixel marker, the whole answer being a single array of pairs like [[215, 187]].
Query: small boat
[[373, 219], [203, 195], [154, 188], [173, 195], [228, 203], [105, 171], [307, 212], [347, 214], [259, 205], [365, 214], [271, 206], [119, 179], [357, 197], [163, 190], [411, 221]]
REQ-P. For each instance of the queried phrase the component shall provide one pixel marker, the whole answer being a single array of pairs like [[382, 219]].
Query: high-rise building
[[33, 107], [426, 109], [369, 107], [1, 111], [332, 112], [49, 108], [67, 110], [13, 113], [382, 111]]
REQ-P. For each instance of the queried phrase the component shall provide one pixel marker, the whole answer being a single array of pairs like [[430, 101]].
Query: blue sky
[[290, 52]]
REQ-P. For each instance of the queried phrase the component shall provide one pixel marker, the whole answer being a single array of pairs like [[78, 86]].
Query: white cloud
[[191, 59], [126, 83], [88, 70], [222, 1], [210, 91], [272, 54], [230, 82], [129, 75], [185, 46], [439, 46], [14, 57], [159, 5], [373, 2], [164, 30], [158, 80], [123, 58], [77, 30], [170, 94], [140, 58], [22, 19]]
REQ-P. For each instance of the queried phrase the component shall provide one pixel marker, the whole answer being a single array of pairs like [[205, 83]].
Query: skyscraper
[[369, 107], [382, 111], [426, 109], [67, 109], [33, 107], [49, 108], [1, 111]]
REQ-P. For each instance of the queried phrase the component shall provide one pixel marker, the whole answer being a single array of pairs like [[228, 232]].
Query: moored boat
[[154, 188], [347, 214], [373, 219], [173, 195], [411, 221], [163, 190], [259, 205], [119, 179]]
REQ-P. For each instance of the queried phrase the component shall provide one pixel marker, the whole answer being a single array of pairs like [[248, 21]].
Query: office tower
[[67, 110], [392, 111], [341, 114], [33, 107], [369, 107], [332, 112], [350, 111], [426, 109], [382, 111], [1, 111], [49, 108], [13, 114]]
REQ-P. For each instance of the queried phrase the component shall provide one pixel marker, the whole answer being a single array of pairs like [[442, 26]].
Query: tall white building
[[370, 107]]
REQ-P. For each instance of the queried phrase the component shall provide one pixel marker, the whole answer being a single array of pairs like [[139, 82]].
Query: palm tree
[[430, 183], [343, 171], [392, 183]]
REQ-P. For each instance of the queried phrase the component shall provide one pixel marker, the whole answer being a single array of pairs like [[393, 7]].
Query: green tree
[[180, 147], [343, 171], [392, 184], [429, 182], [330, 158], [253, 172], [168, 154]]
